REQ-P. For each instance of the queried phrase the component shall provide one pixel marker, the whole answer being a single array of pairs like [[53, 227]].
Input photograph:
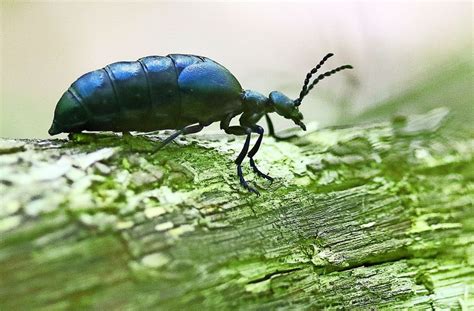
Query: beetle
[[178, 91]]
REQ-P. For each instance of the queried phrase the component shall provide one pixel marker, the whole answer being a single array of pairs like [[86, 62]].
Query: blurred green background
[[399, 49]]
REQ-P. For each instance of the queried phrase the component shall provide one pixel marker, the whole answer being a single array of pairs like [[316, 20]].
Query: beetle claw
[[244, 183], [253, 190], [258, 172]]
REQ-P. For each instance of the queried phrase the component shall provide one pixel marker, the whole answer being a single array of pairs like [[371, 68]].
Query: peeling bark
[[378, 215]]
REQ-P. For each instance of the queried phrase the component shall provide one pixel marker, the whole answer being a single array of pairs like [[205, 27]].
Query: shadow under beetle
[[177, 91]]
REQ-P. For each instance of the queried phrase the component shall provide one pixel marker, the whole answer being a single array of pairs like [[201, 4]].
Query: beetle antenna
[[309, 75], [305, 91]]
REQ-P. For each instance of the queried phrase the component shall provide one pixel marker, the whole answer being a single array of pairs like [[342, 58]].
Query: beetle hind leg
[[187, 130]]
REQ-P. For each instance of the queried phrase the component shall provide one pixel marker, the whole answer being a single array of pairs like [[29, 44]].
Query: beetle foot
[[244, 183], [258, 172]]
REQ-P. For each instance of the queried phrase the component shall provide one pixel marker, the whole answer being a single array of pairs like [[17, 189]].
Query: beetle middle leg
[[187, 130]]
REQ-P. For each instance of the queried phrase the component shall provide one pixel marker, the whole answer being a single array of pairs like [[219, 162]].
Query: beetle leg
[[271, 130], [239, 160], [239, 130], [187, 130], [259, 130]]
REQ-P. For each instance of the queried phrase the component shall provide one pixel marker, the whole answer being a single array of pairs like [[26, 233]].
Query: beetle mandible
[[177, 91]]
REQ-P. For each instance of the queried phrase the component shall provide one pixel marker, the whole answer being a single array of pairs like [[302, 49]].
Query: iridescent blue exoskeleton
[[177, 91]]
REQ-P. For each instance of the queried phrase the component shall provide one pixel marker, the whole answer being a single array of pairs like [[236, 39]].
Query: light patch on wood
[[164, 226], [121, 225], [178, 231], [368, 225], [168, 196], [155, 260], [259, 287], [101, 221], [152, 212], [9, 223], [84, 161]]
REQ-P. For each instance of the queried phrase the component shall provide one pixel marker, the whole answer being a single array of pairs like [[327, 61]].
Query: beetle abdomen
[[130, 86], [164, 92], [145, 95], [94, 90], [209, 91], [139, 95]]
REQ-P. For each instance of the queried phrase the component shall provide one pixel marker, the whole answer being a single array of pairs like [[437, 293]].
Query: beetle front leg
[[239, 130], [271, 130], [259, 130]]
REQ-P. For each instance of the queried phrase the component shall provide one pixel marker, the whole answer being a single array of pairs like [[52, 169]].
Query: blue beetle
[[177, 91]]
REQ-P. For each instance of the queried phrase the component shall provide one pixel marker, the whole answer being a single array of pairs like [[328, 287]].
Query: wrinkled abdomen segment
[[94, 91], [129, 96], [164, 92]]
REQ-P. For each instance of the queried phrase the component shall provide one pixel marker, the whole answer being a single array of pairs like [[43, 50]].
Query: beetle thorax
[[256, 102]]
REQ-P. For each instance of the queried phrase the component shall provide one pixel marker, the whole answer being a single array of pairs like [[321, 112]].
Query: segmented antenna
[[305, 90], [309, 75]]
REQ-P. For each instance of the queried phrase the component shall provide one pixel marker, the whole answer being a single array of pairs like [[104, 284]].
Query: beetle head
[[286, 107]]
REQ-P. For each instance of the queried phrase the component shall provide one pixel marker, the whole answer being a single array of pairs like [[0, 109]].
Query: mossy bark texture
[[368, 216]]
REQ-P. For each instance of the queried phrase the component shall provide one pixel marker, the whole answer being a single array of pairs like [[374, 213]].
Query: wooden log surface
[[368, 216]]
